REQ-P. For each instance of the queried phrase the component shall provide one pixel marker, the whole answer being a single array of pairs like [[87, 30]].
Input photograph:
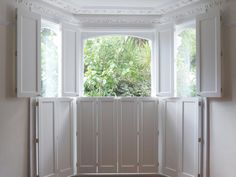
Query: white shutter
[[47, 156], [170, 138], [28, 53], [189, 149], [127, 129], [209, 54], [148, 136], [54, 126], [64, 108], [86, 139], [107, 136], [70, 60], [181, 130], [165, 60]]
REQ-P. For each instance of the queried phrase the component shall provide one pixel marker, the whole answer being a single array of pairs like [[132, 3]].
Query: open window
[[120, 65], [50, 59], [117, 65], [185, 60]]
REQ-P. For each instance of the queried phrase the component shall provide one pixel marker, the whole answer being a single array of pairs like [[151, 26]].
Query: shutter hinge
[[221, 90], [15, 53], [199, 103], [36, 103], [199, 140], [77, 164], [76, 133], [221, 54], [36, 140], [158, 164]]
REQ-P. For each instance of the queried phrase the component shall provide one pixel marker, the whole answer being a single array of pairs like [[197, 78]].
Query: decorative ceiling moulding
[[197, 9], [119, 10], [47, 12], [116, 20], [172, 14]]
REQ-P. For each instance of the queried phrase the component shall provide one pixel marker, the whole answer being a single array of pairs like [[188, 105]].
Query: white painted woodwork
[[209, 54], [54, 131], [170, 138], [127, 130], [107, 135], [47, 139], [189, 133], [165, 60], [65, 137], [28, 53], [70, 60], [148, 136], [87, 129], [181, 130]]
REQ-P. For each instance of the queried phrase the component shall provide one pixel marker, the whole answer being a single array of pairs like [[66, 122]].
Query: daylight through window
[[50, 59], [185, 61], [117, 66]]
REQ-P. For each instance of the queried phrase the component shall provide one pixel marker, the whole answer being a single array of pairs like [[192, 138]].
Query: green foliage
[[117, 66], [49, 63], [186, 63]]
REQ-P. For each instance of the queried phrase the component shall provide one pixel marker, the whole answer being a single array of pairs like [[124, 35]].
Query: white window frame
[[144, 33]]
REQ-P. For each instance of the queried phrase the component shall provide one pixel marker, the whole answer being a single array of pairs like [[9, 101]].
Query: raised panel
[[128, 147], [107, 136], [47, 142], [170, 138], [209, 54], [148, 136], [28, 53], [65, 139], [70, 60], [189, 139], [165, 62], [86, 135]]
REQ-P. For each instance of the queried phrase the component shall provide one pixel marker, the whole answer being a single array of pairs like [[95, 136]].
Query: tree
[[49, 63], [186, 63], [117, 66]]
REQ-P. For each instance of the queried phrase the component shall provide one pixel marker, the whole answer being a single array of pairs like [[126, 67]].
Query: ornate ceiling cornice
[[140, 19], [119, 10], [48, 12], [191, 11]]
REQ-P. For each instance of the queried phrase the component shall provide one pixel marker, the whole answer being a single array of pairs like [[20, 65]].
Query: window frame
[[144, 33]]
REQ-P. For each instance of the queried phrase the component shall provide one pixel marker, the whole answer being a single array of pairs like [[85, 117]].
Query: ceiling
[[141, 7], [121, 3]]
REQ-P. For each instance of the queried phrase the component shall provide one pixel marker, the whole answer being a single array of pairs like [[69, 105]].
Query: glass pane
[[117, 66], [50, 59], [185, 63]]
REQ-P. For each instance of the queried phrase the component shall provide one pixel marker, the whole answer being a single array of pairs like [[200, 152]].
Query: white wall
[[223, 115], [14, 120]]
